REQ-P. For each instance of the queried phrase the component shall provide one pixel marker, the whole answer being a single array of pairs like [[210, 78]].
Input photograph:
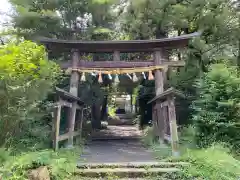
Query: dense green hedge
[[217, 115]]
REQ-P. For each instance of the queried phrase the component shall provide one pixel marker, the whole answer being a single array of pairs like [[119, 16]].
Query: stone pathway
[[121, 132], [117, 144], [117, 153]]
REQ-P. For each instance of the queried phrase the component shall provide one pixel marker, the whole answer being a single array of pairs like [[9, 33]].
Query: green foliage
[[148, 136], [214, 162], [61, 164], [187, 137], [4, 156], [161, 151], [58, 18], [145, 19], [26, 78], [218, 20], [217, 106], [111, 111], [156, 18]]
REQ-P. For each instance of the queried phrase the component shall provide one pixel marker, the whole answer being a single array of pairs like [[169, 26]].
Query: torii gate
[[162, 121]]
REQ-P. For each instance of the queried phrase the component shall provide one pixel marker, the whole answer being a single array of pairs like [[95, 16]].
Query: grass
[[161, 151], [213, 163]]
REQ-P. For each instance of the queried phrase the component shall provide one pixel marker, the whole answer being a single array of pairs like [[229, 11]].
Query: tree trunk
[[131, 102], [104, 109]]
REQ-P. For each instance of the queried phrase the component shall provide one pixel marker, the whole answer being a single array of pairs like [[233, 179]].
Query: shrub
[[111, 111], [61, 164], [148, 136], [214, 162], [26, 77], [187, 137], [217, 116], [149, 139]]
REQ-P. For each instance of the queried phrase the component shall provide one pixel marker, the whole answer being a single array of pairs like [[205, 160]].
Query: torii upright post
[[74, 91], [159, 88]]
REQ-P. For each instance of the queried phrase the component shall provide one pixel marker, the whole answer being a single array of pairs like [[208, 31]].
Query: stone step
[[124, 172], [117, 138], [117, 179], [132, 165]]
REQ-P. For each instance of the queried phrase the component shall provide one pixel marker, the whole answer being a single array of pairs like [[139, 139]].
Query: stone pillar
[[116, 56], [56, 125], [74, 91], [75, 74]]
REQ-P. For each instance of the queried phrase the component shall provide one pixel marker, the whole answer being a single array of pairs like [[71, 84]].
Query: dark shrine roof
[[122, 46]]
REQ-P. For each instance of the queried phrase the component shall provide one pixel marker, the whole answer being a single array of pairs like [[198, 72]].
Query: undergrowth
[[61, 164], [213, 163], [161, 151], [111, 111]]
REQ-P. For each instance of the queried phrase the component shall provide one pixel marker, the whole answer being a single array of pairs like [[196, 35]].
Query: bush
[[26, 78], [148, 136], [211, 163], [61, 164], [217, 116], [161, 151], [111, 111], [214, 162], [187, 137]]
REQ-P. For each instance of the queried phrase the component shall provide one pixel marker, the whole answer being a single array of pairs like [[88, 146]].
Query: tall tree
[[60, 18], [216, 19], [74, 19]]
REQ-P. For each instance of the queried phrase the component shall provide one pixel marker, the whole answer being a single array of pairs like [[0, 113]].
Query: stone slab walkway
[[109, 150]]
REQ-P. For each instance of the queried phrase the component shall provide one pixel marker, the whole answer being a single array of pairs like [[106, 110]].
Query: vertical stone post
[[173, 126], [56, 125], [74, 75], [116, 56], [159, 88], [74, 91]]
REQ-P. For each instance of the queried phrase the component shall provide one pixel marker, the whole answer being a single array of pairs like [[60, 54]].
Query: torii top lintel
[[122, 46]]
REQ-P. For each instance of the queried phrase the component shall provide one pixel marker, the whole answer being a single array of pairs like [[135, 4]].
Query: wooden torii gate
[[157, 46]]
